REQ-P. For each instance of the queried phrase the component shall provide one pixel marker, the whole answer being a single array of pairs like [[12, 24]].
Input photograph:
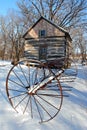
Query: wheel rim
[[46, 102]]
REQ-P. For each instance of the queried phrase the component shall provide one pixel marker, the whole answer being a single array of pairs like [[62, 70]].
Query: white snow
[[73, 115]]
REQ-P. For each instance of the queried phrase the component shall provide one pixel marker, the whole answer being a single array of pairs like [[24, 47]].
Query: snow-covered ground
[[73, 115]]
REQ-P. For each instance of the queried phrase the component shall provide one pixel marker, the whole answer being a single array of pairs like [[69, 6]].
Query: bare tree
[[3, 36], [80, 43], [15, 32], [11, 31], [64, 13], [69, 14]]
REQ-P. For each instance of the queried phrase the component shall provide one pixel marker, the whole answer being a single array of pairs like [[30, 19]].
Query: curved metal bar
[[33, 88]]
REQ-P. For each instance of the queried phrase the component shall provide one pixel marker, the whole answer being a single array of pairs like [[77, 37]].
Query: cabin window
[[42, 33], [42, 52]]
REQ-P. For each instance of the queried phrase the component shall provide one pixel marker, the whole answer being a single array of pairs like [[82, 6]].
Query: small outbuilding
[[45, 40]]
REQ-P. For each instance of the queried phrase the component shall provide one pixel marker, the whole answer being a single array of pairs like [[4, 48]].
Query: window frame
[[42, 33], [42, 52]]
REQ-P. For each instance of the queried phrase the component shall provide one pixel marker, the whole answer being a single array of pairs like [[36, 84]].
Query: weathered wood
[[55, 43]]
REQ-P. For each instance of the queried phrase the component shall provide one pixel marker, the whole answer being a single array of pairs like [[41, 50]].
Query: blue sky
[[6, 5]]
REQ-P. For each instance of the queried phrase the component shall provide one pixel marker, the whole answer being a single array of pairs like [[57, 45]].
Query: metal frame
[[35, 87]]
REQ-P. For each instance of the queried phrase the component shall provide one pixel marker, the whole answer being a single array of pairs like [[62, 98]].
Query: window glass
[[42, 33]]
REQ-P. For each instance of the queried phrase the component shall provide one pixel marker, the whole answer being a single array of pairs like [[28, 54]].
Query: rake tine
[[66, 90]]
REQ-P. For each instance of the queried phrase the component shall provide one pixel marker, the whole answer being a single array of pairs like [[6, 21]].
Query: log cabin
[[46, 41]]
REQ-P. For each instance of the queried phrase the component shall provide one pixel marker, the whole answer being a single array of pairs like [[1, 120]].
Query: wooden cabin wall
[[69, 48], [55, 47], [55, 40], [31, 51]]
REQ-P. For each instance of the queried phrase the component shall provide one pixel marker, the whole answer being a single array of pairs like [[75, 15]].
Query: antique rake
[[35, 87]]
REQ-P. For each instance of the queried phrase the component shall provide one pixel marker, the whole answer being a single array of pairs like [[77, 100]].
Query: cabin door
[[42, 52]]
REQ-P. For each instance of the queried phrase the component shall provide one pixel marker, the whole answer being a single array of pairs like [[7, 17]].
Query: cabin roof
[[58, 27]]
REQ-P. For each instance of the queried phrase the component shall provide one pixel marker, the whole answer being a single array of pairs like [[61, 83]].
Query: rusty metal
[[35, 87]]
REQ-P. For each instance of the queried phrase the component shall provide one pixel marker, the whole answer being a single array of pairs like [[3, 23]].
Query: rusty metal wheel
[[32, 87]]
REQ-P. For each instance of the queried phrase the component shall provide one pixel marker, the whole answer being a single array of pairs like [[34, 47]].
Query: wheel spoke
[[16, 83], [34, 76], [56, 89], [23, 74], [50, 95], [20, 102], [47, 102], [18, 95], [31, 107], [18, 77], [38, 109], [44, 108], [26, 105], [16, 90]]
